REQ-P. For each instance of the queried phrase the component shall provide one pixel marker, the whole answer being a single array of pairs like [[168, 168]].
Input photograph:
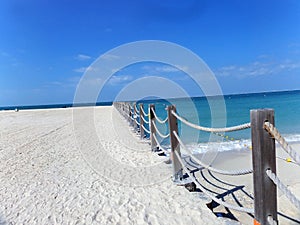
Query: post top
[[260, 110]]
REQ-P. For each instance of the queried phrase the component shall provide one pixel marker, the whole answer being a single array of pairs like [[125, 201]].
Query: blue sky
[[46, 45]]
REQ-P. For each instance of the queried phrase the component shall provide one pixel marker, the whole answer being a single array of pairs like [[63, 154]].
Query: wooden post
[[173, 126], [152, 128], [142, 132], [263, 158], [129, 114], [134, 117]]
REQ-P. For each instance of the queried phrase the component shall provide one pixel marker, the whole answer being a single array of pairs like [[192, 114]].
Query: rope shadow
[[223, 182], [288, 217], [226, 191], [212, 205]]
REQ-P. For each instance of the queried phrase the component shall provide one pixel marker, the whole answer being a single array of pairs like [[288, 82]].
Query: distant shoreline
[[55, 106]]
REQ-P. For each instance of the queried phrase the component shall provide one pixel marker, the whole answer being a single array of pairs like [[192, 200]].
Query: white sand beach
[[47, 178], [242, 186]]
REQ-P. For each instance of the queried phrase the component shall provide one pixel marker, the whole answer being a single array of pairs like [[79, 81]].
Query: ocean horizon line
[[107, 103]]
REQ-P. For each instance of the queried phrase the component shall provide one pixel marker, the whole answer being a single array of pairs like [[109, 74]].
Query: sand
[[239, 189], [53, 171]]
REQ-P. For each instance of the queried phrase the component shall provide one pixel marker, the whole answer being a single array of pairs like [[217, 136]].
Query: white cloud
[[115, 70], [90, 81], [294, 44], [84, 69], [87, 81], [166, 68], [116, 80], [183, 68], [74, 79], [80, 70], [83, 57], [257, 68], [67, 83], [56, 83], [107, 30], [110, 57], [5, 54]]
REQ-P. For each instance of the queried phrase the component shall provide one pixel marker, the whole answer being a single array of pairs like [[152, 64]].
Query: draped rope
[[143, 112], [145, 121], [137, 122], [209, 129], [224, 172], [147, 131], [158, 144], [283, 188], [158, 132], [136, 110], [275, 134], [225, 204], [271, 221], [159, 120]]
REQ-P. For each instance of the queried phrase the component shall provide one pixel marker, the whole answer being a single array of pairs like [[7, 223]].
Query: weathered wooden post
[[129, 114], [173, 126], [151, 126], [263, 158], [134, 117], [142, 132]]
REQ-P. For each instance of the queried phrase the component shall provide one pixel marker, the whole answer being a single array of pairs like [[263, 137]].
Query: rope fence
[[136, 110], [143, 112], [135, 120], [145, 129], [159, 133], [145, 121], [283, 188], [159, 145], [271, 221], [210, 129], [263, 136], [275, 134], [225, 204], [202, 164], [157, 119]]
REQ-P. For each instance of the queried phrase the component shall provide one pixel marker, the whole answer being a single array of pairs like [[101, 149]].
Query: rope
[[210, 129], [145, 121], [147, 131], [143, 112], [224, 172], [137, 122], [275, 133], [225, 204], [283, 188], [271, 221], [136, 110], [160, 134], [159, 120], [160, 147]]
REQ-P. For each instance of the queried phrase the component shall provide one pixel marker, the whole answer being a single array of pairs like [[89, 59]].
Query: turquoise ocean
[[198, 110]]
